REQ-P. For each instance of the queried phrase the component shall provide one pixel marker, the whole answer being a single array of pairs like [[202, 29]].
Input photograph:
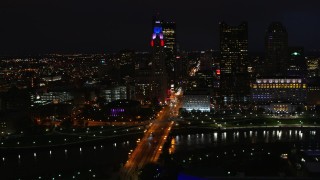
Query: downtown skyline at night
[[146, 89]]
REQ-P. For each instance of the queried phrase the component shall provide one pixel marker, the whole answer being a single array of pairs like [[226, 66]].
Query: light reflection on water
[[243, 136], [215, 137]]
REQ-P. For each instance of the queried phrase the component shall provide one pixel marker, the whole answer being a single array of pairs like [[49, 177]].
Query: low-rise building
[[198, 100], [51, 97], [117, 93], [269, 90]]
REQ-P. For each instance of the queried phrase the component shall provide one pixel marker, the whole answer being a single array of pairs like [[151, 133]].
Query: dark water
[[94, 160]]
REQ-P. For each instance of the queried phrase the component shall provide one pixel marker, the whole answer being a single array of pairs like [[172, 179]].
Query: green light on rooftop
[[296, 54]]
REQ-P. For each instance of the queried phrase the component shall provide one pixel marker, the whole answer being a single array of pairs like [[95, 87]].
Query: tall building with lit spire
[[160, 75], [152, 83], [157, 45], [168, 30]]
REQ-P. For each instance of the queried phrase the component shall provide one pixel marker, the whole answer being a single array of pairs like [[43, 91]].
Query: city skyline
[[69, 27], [146, 89]]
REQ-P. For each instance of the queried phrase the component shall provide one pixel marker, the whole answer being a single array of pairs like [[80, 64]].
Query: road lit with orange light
[[149, 148]]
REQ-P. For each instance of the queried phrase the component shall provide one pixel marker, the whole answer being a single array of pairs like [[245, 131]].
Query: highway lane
[[149, 148]]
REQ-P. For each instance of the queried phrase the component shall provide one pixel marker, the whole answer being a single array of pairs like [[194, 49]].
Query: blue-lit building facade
[[279, 94]]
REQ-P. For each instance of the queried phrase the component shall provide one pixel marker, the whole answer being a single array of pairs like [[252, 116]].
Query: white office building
[[198, 100]]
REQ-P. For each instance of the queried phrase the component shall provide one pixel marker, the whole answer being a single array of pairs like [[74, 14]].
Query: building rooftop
[[123, 103]]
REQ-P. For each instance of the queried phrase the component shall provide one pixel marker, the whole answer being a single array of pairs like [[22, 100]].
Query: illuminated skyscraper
[[157, 45], [160, 76], [233, 47], [170, 46], [276, 45], [234, 57], [152, 83]]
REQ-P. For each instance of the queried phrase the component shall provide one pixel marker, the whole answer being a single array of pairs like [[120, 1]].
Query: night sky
[[49, 26]]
